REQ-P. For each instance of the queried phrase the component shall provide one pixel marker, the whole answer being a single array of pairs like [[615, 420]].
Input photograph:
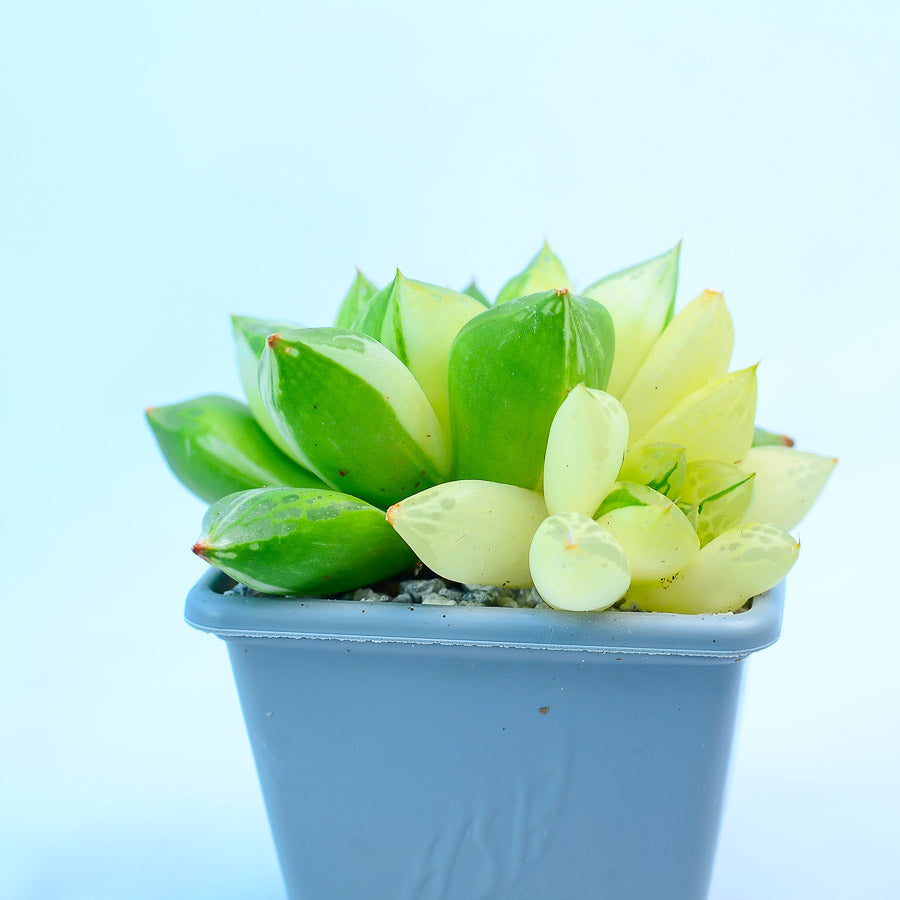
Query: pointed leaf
[[475, 532], [417, 322], [653, 532], [510, 369], [585, 449], [355, 301], [352, 410], [763, 438], [640, 300], [694, 349], [287, 541], [787, 484], [250, 340], [739, 564], [544, 273], [215, 447], [713, 422], [721, 494], [659, 466], [576, 564], [475, 293]]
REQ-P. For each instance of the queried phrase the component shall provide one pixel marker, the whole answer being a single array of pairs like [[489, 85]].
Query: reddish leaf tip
[[392, 513], [273, 339], [201, 548]]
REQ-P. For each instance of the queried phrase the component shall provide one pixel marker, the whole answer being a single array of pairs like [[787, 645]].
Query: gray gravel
[[433, 591]]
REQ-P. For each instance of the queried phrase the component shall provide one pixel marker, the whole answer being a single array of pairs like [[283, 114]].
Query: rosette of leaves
[[657, 499], [539, 439]]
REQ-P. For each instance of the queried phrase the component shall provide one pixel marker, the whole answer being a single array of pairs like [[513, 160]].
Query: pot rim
[[729, 636]]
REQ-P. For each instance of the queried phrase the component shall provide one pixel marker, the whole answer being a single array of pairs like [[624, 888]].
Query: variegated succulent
[[592, 444]]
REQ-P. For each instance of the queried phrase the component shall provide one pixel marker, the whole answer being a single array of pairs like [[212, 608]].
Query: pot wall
[[421, 769]]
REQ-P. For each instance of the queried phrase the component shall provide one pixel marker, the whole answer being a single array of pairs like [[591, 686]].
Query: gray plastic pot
[[459, 753]]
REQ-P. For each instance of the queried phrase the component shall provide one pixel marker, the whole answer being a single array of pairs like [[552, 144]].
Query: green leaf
[[640, 300], [788, 482], [694, 349], [585, 449], [659, 466], [303, 542], [353, 412], [713, 422], [763, 438], [475, 293], [417, 322], [654, 533], [544, 273], [510, 369], [355, 300], [250, 340], [215, 447], [475, 532], [721, 494], [739, 564], [576, 564]]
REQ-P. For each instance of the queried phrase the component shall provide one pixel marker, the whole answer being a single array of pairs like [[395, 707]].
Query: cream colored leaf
[[585, 449], [694, 349], [640, 300], [653, 532], [787, 484], [576, 564], [713, 422], [739, 564], [475, 532]]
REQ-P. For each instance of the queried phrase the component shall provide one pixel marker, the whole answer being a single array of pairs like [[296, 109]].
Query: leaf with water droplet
[[302, 542], [510, 369], [577, 564], [474, 532], [350, 409], [543, 273], [640, 300]]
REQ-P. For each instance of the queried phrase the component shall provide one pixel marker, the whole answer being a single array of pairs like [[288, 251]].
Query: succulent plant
[[594, 445]]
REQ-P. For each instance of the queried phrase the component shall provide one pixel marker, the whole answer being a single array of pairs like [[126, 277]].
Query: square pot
[[466, 753]]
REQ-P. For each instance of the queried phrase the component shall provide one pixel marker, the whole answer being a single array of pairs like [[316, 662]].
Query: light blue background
[[164, 164]]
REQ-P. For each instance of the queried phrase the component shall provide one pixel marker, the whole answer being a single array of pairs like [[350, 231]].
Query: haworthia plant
[[353, 413], [787, 483], [215, 447], [288, 541], [544, 272], [476, 293], [418, 322], [250, 340], [655, 535], [599, 448], [509, 370], [641, 300], [355, 301], [694, 349]]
